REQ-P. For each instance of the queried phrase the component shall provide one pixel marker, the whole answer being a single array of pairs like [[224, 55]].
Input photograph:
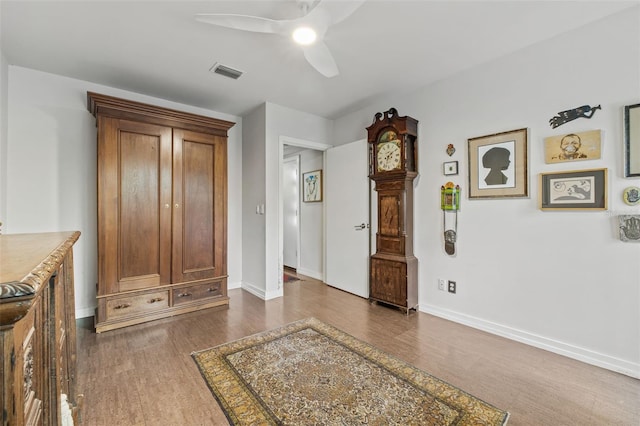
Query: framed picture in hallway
[[498, 165], [312, 186]]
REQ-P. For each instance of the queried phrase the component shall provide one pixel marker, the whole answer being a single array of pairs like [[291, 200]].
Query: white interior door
[[347, 217], [290, 209]]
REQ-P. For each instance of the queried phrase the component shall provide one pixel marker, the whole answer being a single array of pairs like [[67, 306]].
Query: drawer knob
[[156, 299], [211, 289], [123, 306], [184, 295]]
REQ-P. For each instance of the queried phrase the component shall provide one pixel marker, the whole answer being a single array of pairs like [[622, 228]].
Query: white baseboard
[[231, 286], [85, 312], [581, 354], [309, 273], [258, 292]]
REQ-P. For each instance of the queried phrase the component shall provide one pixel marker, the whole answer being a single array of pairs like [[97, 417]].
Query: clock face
[[388, 157]]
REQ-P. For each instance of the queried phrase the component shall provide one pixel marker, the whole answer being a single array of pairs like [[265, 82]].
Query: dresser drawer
[[196, 292], [135, 304]]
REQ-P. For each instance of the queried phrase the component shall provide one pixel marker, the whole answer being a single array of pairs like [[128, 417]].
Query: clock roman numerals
[[388, 156]]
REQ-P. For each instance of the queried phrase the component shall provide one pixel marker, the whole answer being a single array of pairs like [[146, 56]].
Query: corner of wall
[[4, 140]]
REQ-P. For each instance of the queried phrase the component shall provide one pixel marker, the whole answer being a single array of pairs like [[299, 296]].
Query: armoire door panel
[[142, 214], [139, 206], [199, 195]]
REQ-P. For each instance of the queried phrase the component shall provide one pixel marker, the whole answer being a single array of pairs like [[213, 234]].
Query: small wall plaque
[[629, 228]]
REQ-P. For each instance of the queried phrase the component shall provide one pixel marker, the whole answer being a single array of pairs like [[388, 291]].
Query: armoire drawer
[[196, 292], [136, 304]]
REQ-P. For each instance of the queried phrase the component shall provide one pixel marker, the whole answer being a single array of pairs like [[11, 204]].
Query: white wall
[[4, 85], [263, 129], [281, 121], [51, 171], [311, 221], [253, 195], [558, 280]]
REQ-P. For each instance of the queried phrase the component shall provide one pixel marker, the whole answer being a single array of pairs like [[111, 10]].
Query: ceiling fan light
[[304, 36]]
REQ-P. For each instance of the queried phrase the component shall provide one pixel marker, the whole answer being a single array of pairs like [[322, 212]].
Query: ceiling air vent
[[225, 71]]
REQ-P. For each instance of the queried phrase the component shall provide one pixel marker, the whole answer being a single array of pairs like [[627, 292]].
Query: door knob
[[360, 227]]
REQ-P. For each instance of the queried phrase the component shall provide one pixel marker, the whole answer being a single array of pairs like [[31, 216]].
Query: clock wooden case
[[393, 160]]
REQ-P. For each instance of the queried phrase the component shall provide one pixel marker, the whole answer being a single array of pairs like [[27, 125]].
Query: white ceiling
[[158, 49]]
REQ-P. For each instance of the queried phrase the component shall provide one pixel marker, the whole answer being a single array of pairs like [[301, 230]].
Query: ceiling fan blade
[[321, 59], [339, 10], [241, 22]]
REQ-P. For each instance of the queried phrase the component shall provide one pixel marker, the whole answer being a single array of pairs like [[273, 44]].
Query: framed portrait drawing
[[573, 147], [574, 190], [498, 165], [632, 140], [312, 186]]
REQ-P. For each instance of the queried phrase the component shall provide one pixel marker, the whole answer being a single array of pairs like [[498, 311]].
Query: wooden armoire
[[162, 212]]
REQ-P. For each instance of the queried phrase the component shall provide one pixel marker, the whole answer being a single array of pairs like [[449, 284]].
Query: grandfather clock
[[393, 160]]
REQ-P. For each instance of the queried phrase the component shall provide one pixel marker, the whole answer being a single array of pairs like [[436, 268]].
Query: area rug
[[286, 278], [310, 373]]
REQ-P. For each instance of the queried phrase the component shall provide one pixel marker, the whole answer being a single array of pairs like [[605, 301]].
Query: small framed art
[[573, 147], [450, 168], [574, 190], [498, 165], [312, 186], [632, 140]]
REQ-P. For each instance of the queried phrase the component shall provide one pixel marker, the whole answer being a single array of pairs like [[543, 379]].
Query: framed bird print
[[574, 190]]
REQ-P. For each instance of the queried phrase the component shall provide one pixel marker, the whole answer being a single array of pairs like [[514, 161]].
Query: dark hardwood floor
[[144, 374]]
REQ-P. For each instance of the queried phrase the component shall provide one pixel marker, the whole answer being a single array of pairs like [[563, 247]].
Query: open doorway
[[301, 230]]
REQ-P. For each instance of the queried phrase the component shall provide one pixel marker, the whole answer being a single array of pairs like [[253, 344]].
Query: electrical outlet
[[440, 284], [452, 287]]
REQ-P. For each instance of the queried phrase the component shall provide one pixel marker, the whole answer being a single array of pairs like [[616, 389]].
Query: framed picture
[[498, 165], [573, 147], [312, 186], [450, 168], [574, 190], [632, 140]]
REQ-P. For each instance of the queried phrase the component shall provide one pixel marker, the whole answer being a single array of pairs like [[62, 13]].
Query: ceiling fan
[[308, 31]]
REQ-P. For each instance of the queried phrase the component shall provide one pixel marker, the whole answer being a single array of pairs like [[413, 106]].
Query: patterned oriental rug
[[286, 278], [310, 373]]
